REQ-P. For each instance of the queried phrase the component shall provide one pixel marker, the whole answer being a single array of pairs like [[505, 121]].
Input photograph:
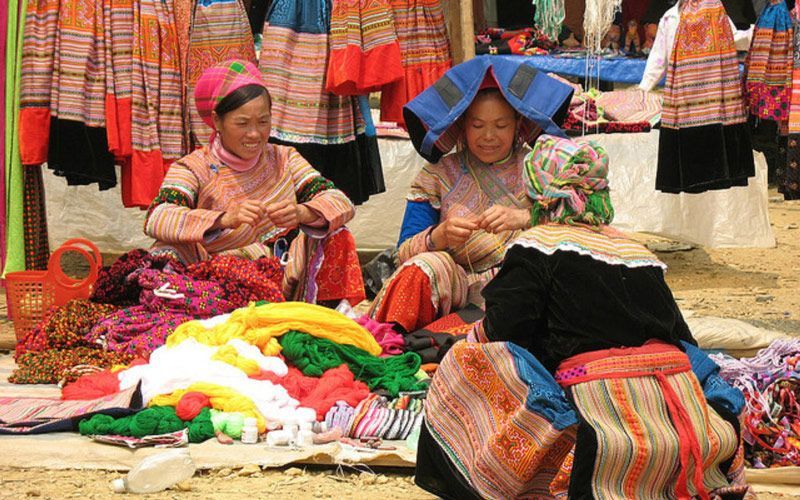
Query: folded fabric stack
[[377, 417]]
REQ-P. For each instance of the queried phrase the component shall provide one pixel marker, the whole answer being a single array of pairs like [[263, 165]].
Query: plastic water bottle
[[157, 473]]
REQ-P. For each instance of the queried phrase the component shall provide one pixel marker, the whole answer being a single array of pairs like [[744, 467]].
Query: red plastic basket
[[32, 293]]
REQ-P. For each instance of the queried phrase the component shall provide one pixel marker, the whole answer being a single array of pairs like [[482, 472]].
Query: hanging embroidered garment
[[37, 244], [78, 147], [704, 142], [769, 64], [789, 175], [365, 54], [156, 102], [38, 59], [422, 35], [118, 15], [220, 32], [326, 129]]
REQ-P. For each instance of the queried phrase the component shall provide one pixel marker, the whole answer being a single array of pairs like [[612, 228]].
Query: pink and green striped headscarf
[[217, 82], [567, 182]]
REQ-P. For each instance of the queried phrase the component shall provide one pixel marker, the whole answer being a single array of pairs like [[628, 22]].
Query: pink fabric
[[230, 159], [219, 81], [390, 340]]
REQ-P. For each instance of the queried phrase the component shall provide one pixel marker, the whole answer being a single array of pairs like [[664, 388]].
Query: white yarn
[[597, 19]]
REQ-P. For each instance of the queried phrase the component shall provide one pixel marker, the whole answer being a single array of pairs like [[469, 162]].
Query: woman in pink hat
[[242, 196]]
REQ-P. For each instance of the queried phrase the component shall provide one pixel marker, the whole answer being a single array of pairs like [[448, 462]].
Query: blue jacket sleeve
[[419, 216], [715, 388]]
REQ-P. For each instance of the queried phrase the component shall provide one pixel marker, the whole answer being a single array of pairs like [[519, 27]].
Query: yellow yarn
[[229, 354], [222, 399], [261, 325]]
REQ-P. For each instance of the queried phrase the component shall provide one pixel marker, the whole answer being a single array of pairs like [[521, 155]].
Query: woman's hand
[[288, 214], [500, 218], [247, 212], [453, 232]]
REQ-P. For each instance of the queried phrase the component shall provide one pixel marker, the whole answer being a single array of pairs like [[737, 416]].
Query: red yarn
[[191, 404], [92, 386], [336, 384]]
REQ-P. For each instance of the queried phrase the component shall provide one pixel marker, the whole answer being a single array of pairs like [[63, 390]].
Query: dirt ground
[[757, 285]]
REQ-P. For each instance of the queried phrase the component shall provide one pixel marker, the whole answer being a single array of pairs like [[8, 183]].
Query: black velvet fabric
[[80, 154], [560, 305], [354, 167], [699, 159]]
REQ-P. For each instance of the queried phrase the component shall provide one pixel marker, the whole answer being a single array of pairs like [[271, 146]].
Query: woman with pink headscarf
[[242, 196]]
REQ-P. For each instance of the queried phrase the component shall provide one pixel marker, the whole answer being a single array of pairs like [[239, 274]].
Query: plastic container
[[157, 473], [32, 293], [250, 431]]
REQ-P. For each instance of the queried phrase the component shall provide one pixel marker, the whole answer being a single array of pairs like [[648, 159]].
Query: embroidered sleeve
[[172, 216], [319, 194]]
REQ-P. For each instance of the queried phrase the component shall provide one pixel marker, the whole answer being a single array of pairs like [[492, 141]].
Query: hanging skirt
[[422, 35], [789, 175], [364, 53], [625, 423], [704, 141], [769, 64], [220, 31]]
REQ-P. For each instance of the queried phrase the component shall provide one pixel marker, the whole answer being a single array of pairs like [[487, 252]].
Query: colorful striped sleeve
[[428, 186], [318, 193], [172, 217]]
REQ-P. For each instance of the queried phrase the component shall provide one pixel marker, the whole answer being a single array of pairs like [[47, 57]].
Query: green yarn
[[201, 428], [230, 424], [153, 420], [314, 356]]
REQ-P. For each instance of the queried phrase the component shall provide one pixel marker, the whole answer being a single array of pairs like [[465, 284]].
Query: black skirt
[[699, 159]]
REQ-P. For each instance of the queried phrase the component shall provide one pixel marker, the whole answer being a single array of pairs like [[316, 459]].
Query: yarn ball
[[191, 404]]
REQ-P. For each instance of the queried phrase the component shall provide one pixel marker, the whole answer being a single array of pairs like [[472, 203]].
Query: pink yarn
[[387, 337]]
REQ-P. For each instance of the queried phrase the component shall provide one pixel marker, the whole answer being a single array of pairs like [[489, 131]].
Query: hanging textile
[[704, 142], [38, 57], [4, 32], [118, 19], [14, 242], [769, 64], [789, 175], [326, 129], [78, 147], [365, 54], [37, 246], [220, 32], [155, 101], [182, 10], [422, 35]]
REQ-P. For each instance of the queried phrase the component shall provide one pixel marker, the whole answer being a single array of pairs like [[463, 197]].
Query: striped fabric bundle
[[38, 59], [293, 61], [605, 245], [630, 107], [156, 102], [220, 32], [500, 418], [365, 54], [668, 437], [703, 85], [376, 417], [422, 35], [769, 64], [704, 143]]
